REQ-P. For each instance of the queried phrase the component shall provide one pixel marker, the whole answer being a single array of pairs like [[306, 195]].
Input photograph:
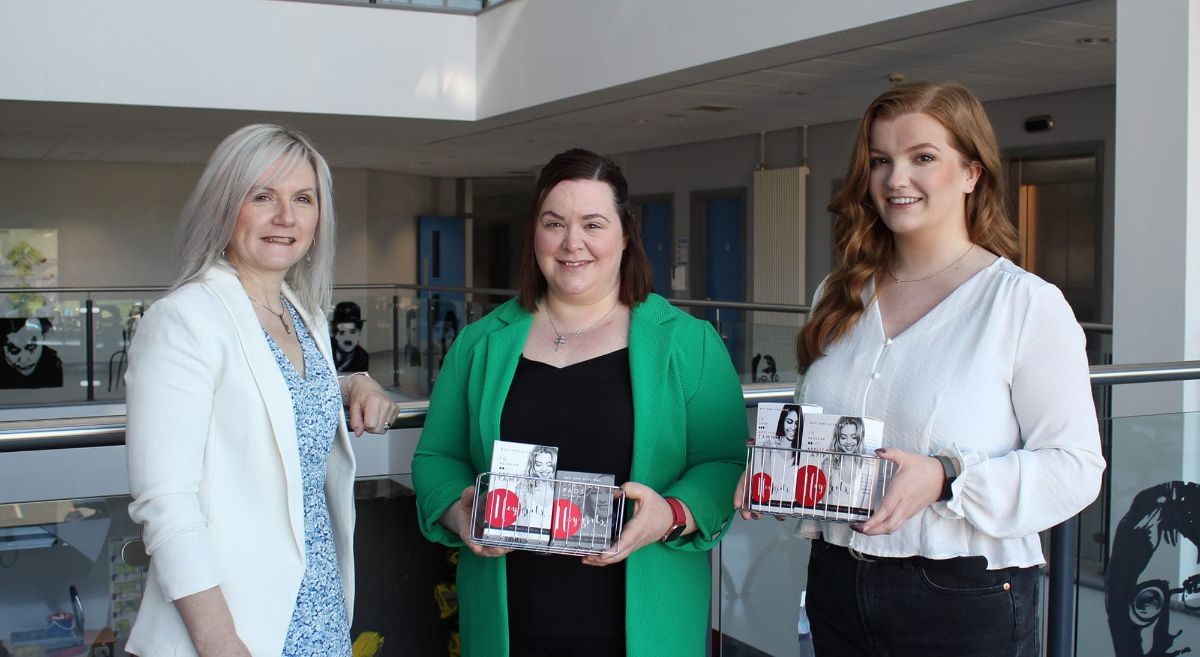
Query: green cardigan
[[689, 442]]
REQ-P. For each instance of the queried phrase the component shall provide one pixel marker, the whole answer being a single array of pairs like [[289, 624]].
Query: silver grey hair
[[207, 220]]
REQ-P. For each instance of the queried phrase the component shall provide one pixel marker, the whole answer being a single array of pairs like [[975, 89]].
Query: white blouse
[[996, 375]]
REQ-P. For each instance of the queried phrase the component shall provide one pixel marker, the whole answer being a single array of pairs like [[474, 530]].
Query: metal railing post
[[1060, 607], [395, 337], [89, 337]]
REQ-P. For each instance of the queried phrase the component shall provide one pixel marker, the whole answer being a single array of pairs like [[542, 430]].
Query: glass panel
[[48, 548], [115, 319], [45, 355], [1148, 594]]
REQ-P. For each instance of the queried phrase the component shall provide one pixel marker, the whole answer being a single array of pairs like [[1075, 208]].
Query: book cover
[[583, 511], [844, 481], [520, 493], [772, 472]]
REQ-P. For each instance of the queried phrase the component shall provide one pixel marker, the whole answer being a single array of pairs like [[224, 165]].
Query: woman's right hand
[[458, 520]]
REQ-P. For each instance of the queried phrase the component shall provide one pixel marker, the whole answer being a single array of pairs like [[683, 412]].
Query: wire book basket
[[821, 485], [553, 516]]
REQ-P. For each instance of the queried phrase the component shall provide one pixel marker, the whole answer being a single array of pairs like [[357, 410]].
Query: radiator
[[779, 198]]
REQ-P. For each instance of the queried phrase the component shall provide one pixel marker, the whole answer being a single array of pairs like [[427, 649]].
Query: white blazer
[[214, 467]]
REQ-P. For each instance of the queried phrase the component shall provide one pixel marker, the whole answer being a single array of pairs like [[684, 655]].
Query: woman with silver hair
[[240, 464]]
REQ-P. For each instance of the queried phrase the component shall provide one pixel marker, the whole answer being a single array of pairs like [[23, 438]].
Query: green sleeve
[[441, 464], [716, 442]]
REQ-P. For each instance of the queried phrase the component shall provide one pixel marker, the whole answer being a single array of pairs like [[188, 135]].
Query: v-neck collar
[[935, 309]]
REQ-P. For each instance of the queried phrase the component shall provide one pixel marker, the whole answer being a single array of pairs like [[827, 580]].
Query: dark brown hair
[[865, 244], [636, 282]]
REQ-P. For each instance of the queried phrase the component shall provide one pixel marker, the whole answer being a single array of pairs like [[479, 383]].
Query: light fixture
[[896, 78], [1096, 41]]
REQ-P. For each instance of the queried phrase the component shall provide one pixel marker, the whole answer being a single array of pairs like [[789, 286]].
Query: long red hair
[[864, 242]]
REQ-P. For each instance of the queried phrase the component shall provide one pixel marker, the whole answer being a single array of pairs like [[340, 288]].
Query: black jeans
[[524, 646], [919, 607]]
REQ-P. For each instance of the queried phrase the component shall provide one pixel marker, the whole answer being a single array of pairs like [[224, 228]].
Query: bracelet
[[352, 375]]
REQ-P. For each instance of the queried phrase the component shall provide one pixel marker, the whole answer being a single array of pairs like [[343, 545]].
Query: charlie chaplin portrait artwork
[[1138, 601], [28, 362], [763, 369], [345, 331]]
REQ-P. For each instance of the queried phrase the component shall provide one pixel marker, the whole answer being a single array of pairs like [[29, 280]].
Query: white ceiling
[[1030, 53]]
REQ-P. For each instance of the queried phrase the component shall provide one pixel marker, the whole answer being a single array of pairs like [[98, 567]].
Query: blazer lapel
[[277, 399], [649, 358], [504, 347]]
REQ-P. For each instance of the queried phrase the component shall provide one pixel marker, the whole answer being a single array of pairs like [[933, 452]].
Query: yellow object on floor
[[368, 644]]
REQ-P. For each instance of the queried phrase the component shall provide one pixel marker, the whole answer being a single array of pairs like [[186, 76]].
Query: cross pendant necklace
[[561, 339]]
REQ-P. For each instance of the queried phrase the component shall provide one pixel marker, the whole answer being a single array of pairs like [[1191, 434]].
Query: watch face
[[675, 533]]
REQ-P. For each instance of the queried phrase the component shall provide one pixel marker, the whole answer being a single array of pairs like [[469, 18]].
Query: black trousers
[[919, 607], [544, 646]]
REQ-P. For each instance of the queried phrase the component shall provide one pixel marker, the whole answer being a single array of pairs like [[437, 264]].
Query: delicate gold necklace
[[562, 339], [286, 329], [925, 278]]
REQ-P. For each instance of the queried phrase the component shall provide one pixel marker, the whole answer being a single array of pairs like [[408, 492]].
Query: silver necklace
[[925, 278], [562, 339], [286, 329]]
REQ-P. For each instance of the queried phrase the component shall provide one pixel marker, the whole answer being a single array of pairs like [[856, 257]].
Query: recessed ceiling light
[[712, 108], [642, 121], [1096, 41], [896, 78]]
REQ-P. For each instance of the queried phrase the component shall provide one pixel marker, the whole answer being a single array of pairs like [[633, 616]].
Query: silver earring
[[223, 254], [308, 258]]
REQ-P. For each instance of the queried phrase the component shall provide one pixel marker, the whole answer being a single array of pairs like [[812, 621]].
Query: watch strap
[[678, 522], [950, 473]]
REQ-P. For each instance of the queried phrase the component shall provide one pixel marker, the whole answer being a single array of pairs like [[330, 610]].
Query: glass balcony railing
[[81, 338]]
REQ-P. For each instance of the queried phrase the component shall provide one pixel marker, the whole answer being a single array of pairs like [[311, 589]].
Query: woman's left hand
[[652, 518], [371, 409], [916, 484]]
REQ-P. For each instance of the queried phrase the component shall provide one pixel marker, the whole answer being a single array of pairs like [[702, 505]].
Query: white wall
[[117, 223], [270, 55]]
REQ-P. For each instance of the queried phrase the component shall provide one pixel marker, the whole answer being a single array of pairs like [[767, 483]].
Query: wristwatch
[[679, 522], [950, 469]]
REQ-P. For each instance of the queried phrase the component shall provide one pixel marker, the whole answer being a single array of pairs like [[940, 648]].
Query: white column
[[1156, 289]]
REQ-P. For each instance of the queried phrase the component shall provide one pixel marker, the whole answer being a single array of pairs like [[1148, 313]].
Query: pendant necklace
[[562, 339], [925, 278], [286, 329]]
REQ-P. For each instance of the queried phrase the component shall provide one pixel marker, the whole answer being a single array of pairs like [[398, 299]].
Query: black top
[[586, 410]]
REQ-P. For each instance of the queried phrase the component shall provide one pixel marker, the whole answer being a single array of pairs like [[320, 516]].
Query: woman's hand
[[458, 520], [652, 518], [371, 409], [916, 484]]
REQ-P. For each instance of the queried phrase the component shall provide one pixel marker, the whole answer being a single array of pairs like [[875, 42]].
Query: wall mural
[[28, 260], [1139, 603]]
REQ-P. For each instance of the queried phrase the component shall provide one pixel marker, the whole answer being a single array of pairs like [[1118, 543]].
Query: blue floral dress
[[319, 624]]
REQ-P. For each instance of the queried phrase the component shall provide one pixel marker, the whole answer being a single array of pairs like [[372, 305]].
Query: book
[[520, 493], [840, 478], [771, 474], [583, 511]]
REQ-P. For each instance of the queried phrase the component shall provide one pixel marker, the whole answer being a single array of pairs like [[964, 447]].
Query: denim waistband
[[953, 564]]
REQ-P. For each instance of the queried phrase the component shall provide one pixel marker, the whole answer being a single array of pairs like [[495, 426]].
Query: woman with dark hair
[[588, 360], [977, 369]]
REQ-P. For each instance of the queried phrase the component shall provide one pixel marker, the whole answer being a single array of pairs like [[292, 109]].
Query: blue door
[[441, 251], [656, 239], [725, 264]]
